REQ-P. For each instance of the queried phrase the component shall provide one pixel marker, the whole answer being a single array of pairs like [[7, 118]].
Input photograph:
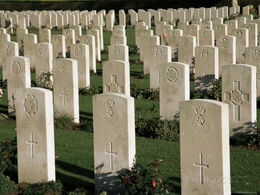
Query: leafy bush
[[250, 140], [92, 90], [3, 84], [149, 94], [160, 129], [40, 188], [63, 121], [143, 180], [45, 80], [8, 158], [6, 185]]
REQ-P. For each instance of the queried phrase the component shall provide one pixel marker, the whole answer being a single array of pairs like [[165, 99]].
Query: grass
[[74, 149]]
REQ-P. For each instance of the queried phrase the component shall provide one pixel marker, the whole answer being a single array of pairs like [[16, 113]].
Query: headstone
[[204, 140], [252, 57], [231, 24], [252, 34], [174, 88], [80, 52], [242, 41], [220, 31], [19, 77], [58, 46], [122, 19], [95, 33], [78, 31], [186, 50], [239, 91], [29, 41], [69, 37], [100, 29], [133, 17], [118, 52], [43, 56], [110, 18], [227, 51], [206, 67], [172, 39], [35, 135], [116, 77], [118, 40], [114, 148], [158, 55], [65, 91], [241, 21], [7, 49], [206, 37], [90, 41], [44, 35]]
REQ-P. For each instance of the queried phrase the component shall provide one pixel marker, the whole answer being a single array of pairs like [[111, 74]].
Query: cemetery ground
[[74, 144]]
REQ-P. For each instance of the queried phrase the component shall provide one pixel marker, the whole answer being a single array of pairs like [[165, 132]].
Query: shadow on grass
[[3, 109], [70, 182], [176, 181]]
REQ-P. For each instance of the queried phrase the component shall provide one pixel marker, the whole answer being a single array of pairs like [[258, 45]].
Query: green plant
[[3, 84], [40, 188], [92, 90], [143, 180], [68, 52], [45, 80], [151, 94], [8, 158], [216, 92], [6, 185], [63, 121], [168, 130]]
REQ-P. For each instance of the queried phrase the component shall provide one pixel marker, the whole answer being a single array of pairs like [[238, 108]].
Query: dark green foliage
[[143, 179], [45, 80], [159, 129], [63, 121], [144, 93], [40, 188], [3, 84], [250, 140], [8, 158], [92, 90], [6, 185]]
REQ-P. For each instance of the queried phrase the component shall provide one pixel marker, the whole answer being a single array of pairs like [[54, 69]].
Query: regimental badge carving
[[16, 67], [61, 67], [204, 54], [110, 108], [116, 51], [31, 105], [255, 56], [200, 119], [78, 51], [42, 50], [171, 74], [158, 52]]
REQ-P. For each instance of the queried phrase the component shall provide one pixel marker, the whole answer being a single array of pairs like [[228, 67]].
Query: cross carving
[[63, 94], [237, 98], [114, 86], [31, 142], [201, 166], [111, 154]]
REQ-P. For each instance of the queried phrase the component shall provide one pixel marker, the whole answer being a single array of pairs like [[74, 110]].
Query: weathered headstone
[[242, 41], [58, 46], [204, 140], [174, 88], [206, 37], [239, 91], [35, 135], [65, 91], [44, 35], [118, 52], [80, 52], [114, 146], [90, 41], [116, 77], [69, 37], [206, 67], [95, 33], [19, 77]]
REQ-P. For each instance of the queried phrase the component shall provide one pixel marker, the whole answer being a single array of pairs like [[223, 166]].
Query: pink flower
[[154, 183], [78, 39], [229, 33], [164, 34], [193, 34]]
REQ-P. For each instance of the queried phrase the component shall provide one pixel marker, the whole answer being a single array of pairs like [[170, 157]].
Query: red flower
[[165, 34], [78, 39], [154, 183], [68, 48], [229, 33], [193, 34]]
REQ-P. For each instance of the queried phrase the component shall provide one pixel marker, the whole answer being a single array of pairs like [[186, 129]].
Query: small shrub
[[40, 188], [216, 92], [6, 185], [143, 180], [168, 130], [92, 90], [63, 121], [8, 158], [150, 94], [3, 84], [45, 80]]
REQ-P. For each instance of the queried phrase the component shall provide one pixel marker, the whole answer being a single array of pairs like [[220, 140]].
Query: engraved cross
[[114, 86], [31, 142], [63, 94], [236, 97], [111, 154], [201, 166]]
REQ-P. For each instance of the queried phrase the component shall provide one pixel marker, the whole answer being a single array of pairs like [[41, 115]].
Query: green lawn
[[74, 149]]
